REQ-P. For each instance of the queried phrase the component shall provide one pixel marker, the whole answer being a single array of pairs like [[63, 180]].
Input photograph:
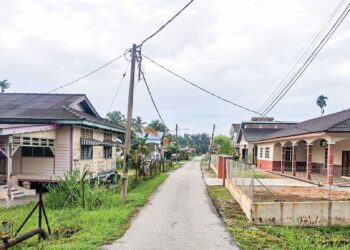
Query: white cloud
[[234, 48]]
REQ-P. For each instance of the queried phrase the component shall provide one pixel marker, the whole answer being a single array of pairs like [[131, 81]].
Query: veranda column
[[283, 158], [294, 160], [308, 161], [330, 163]]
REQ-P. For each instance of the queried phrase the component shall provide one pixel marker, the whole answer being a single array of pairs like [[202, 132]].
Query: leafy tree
[[198, 141], [158, 126], [224, 145], [116, 117], [4, 85], [138, 124], [322, 103]]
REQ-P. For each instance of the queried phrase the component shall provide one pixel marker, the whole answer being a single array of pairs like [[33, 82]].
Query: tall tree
[[137, 124], [322, 103], [158, 126], [4, 85], [116, 117]]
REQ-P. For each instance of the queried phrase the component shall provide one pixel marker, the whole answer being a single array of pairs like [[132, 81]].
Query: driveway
[[180, 215]]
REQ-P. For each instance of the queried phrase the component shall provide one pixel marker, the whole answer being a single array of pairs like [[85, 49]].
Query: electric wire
[[166, 24], [308, 61], [304, 52], [88, 74], [211, 93], [154, 103]]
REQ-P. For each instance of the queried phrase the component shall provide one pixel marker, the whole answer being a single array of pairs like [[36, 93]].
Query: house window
[[36, 152], [107, 136], [107, 152], [87, 133], [325, 157], [261, 152], [288, 155], [267, 153], [86, 152]]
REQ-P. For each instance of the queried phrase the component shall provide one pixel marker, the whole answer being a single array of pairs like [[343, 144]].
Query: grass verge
[[274, 237], [75, 228]]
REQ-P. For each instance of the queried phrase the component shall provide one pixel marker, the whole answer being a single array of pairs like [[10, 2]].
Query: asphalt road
[[179, 215]]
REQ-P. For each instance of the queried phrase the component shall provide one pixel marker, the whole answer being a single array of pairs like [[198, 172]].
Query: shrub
[[74, 191]]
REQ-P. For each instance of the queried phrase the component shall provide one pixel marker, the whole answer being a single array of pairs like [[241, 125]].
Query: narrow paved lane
[[180, 215]]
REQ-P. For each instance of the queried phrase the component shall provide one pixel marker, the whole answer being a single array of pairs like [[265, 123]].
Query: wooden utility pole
[[210, 145], [124, 191]]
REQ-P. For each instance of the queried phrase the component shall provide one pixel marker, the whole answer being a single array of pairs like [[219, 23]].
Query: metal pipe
[[24, 237]]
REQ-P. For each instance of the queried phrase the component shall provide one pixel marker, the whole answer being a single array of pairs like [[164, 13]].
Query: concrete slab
[[213, 181]]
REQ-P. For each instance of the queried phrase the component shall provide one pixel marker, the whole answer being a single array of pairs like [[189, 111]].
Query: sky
[[237, 49]]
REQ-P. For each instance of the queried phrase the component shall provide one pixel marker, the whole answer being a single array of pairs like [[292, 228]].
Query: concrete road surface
[[180, 215]]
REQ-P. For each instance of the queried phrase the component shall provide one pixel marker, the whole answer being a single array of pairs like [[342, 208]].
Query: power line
[[308, 61], [201, 88], [88, 74], [211, 93], [166, 24], [307, 48], [117, 91], [154, 103], [303, 55]]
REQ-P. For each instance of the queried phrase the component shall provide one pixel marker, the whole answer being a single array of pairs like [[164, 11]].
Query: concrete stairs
[[17, 192]]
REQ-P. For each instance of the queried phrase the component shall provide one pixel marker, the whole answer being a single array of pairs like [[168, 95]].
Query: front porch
[[323, 160]]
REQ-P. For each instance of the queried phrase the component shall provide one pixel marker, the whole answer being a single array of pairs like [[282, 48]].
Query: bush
[[73, 191]]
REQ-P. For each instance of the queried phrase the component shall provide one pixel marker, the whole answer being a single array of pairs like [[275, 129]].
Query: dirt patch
[[267, 175], [299, 194]]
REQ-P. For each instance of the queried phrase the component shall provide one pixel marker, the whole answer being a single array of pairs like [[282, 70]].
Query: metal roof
[[51, 108]]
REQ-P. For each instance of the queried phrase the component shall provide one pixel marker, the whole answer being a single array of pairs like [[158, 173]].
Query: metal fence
[[260, 185]]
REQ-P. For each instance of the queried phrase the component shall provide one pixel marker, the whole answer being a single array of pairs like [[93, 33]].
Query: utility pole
[[177, 144], [124, 191], [210, 145]]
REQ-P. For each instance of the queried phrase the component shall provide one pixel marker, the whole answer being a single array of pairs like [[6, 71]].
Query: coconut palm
[[4, 85], [138, 124], [116, 117], [322, 102], [158, 126]]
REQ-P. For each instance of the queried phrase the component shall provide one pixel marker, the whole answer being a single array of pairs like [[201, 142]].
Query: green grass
[[275, 237], [74, 228]]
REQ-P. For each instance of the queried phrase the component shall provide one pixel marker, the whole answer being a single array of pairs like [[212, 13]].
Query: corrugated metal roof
[[47, 108]]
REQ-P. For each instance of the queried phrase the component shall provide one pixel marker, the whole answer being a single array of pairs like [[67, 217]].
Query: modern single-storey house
[[255, 130], [314, 149], [44, 136]]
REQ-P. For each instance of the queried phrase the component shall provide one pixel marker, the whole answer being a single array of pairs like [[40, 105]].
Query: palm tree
[[158, 126], [116, 117], [137, 124], [322, 102], [4, 85]]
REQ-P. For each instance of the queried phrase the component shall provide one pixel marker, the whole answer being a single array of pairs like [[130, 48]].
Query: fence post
[[252, 182], [243, 165]]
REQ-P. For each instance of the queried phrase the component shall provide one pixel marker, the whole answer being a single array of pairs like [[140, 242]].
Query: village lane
[[180, 215]]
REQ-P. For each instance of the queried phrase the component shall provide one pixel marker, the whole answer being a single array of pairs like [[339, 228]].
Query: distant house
[[316, 148], [234, 133], [44, 136], [255, 130]]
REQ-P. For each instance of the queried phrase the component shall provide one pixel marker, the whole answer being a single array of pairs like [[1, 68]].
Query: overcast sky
[[234, 48]]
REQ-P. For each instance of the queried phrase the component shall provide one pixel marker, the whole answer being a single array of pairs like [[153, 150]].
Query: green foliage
[[224, 145], [157, 125], [137, 124], [4, 85], [322, 102], [75, 228], [275, 237], [116, 117], [198, 141], [73, 191]]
